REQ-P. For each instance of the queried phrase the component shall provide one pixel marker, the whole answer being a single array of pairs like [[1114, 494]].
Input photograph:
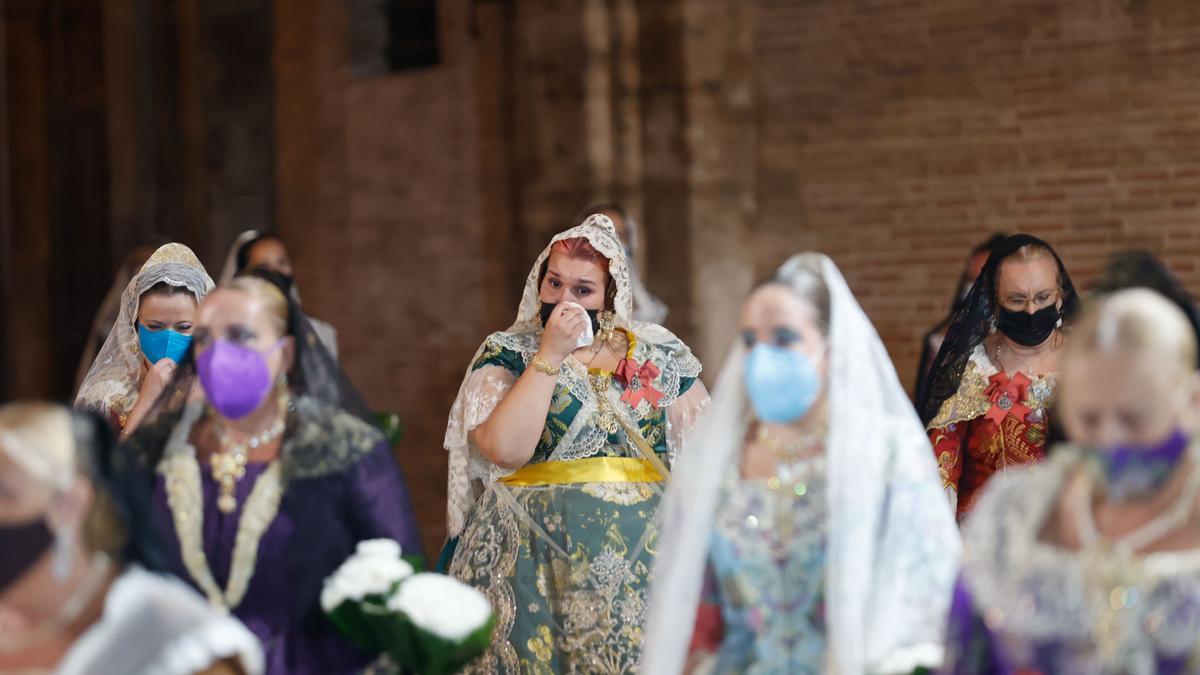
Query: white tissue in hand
[[587, 336]]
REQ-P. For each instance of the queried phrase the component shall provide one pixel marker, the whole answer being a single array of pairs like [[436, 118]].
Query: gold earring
[[608, 323]]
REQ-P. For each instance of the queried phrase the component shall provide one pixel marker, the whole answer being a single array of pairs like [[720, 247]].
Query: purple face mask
[[235, 378], [1133, 470]]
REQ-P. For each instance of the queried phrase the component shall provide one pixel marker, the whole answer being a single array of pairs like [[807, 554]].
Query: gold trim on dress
[[186, 500]]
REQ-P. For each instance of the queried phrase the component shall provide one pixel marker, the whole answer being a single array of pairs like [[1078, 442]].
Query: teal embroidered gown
[[566, 561]]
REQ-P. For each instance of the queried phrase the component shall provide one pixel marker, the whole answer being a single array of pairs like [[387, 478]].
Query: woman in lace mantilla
[[805, 530], [990, 387], [71, 603], [157, 308], [557, 457]]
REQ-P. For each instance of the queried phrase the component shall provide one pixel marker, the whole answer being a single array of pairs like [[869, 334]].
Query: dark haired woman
[[559, 445], [152, 333], [931, 343], [991, 384], [266, 475], [254, 250]]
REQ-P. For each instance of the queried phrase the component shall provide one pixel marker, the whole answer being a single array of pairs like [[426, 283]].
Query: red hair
[[580, 249]]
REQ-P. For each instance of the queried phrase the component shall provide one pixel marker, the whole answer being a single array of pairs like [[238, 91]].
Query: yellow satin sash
[[587, 470]]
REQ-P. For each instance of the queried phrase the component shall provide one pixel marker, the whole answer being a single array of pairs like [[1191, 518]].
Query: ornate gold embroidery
[[967, 403], [186, 500], [486, 559], [970, 402]]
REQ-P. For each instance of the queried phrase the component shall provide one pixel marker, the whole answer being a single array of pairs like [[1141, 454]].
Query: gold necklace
[[606, 417], [791, 460], [229, 465], [185, 498], [601, 381], [796, 464]]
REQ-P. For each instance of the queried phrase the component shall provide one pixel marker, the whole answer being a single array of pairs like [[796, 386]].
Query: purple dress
[[341, 486], [1025, 606]]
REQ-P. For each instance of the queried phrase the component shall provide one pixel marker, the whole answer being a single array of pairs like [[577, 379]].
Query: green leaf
[[391, 426]]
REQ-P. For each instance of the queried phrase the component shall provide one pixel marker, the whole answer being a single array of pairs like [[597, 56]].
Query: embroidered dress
[[297, 519], [1025, 605], [770, 581], [563, 547], [992, 423]]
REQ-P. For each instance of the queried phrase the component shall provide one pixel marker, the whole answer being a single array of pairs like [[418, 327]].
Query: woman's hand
[[153, 385], [156, 380], [566, 324]]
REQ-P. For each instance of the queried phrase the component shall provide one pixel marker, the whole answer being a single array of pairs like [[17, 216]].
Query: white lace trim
[[1033, 591], [983, 364]]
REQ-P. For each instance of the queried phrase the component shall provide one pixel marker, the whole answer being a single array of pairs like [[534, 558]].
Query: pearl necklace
[[229, 465]]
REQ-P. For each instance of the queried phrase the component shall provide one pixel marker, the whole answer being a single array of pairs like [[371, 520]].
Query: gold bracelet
[[543, 366]]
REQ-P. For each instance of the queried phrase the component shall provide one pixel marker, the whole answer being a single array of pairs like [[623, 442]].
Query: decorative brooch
[[1007, 396], [639, 382]]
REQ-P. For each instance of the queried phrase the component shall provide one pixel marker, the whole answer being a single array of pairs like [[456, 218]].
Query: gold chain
[[229, 464]]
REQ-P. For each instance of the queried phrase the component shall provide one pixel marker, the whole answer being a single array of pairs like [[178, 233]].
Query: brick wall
[[894, 135], [383, 201]]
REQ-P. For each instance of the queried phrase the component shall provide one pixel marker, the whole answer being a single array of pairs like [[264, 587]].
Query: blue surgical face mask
[[783, 384], [163, 344]]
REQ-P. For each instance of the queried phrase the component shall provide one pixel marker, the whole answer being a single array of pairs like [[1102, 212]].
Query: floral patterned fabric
[[994, 422], [768, 559], [567, 565]]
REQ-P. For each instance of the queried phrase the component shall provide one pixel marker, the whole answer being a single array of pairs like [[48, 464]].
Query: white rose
[[360, 576], [442, 605], [387, 548]]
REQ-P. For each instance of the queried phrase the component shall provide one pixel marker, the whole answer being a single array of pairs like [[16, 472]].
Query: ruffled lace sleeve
[[482, 390], [682, 416]]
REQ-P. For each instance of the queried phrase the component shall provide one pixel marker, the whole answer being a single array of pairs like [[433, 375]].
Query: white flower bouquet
[[427, 623]]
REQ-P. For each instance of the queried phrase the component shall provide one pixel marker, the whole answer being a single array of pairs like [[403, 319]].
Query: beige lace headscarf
[[112, 385]]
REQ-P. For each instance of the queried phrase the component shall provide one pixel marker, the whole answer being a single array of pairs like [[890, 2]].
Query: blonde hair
[[40, 438], [1139, 321], [268, 294]]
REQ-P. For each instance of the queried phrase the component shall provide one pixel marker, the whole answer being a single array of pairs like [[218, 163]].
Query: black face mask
[[1025, 329], [593, 314], [23, 544]]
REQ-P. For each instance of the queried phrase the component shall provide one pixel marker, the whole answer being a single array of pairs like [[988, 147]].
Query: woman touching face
[[575, 280]]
